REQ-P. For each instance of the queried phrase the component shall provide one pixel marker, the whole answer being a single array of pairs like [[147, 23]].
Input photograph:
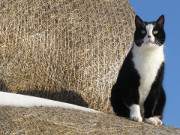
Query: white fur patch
[[147, 60], [154, 121], [135, 113], [149, 29]]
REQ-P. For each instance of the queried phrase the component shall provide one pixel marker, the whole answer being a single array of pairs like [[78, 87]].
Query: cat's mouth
[[150, 42]]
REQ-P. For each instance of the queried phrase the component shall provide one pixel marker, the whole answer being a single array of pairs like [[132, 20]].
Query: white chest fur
[[147, 60]]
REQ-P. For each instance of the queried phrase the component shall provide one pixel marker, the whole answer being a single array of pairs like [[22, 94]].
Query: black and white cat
[[138, 93]]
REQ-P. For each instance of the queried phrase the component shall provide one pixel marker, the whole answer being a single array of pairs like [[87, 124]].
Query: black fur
[[125, 91], [156, 99]]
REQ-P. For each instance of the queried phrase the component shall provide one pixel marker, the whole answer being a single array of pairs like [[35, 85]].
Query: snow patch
[[12, 99]]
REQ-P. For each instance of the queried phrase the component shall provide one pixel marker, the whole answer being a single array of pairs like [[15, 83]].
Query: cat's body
[[138, 93]]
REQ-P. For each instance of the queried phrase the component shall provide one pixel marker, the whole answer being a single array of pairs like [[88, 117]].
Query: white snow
[[12, 99]]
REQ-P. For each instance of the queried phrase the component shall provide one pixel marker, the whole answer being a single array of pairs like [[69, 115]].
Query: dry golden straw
[[59, 121]]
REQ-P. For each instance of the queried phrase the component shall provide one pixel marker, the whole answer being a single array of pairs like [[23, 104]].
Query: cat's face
[[149, 33]]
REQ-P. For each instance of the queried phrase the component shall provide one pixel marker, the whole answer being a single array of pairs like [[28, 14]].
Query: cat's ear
[[160, 21], [138, 21]]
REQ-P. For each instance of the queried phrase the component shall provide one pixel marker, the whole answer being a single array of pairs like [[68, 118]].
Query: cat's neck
[[148, 55], [148, 49]]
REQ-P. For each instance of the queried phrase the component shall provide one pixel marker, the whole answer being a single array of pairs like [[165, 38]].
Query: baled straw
[[59, 121]]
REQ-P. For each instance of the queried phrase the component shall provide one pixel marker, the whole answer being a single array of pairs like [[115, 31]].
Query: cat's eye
[[143, 32], [155, 32]]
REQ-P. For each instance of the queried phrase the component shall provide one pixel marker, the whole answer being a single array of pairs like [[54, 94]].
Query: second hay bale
[[64, 49], [61, 121]]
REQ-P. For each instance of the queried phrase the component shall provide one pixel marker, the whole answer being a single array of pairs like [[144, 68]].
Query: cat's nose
[[149, 36]]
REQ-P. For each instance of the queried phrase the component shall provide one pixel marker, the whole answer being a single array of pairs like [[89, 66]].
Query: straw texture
[[59, 121], [66, 50]]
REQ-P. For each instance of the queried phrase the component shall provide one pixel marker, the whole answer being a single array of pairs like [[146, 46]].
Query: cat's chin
[[150, 45]]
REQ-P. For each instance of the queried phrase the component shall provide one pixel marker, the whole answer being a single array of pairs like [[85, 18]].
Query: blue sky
[[149, 11]]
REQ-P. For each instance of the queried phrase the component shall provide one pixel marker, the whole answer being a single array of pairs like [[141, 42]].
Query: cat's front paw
[[135, 114], [153, 120], [135, 117]]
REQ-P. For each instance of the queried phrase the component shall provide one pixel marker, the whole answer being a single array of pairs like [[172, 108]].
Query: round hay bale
[[67, 50], [61, 121]]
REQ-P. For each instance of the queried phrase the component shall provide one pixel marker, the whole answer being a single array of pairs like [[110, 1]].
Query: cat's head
[[149, 33]]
